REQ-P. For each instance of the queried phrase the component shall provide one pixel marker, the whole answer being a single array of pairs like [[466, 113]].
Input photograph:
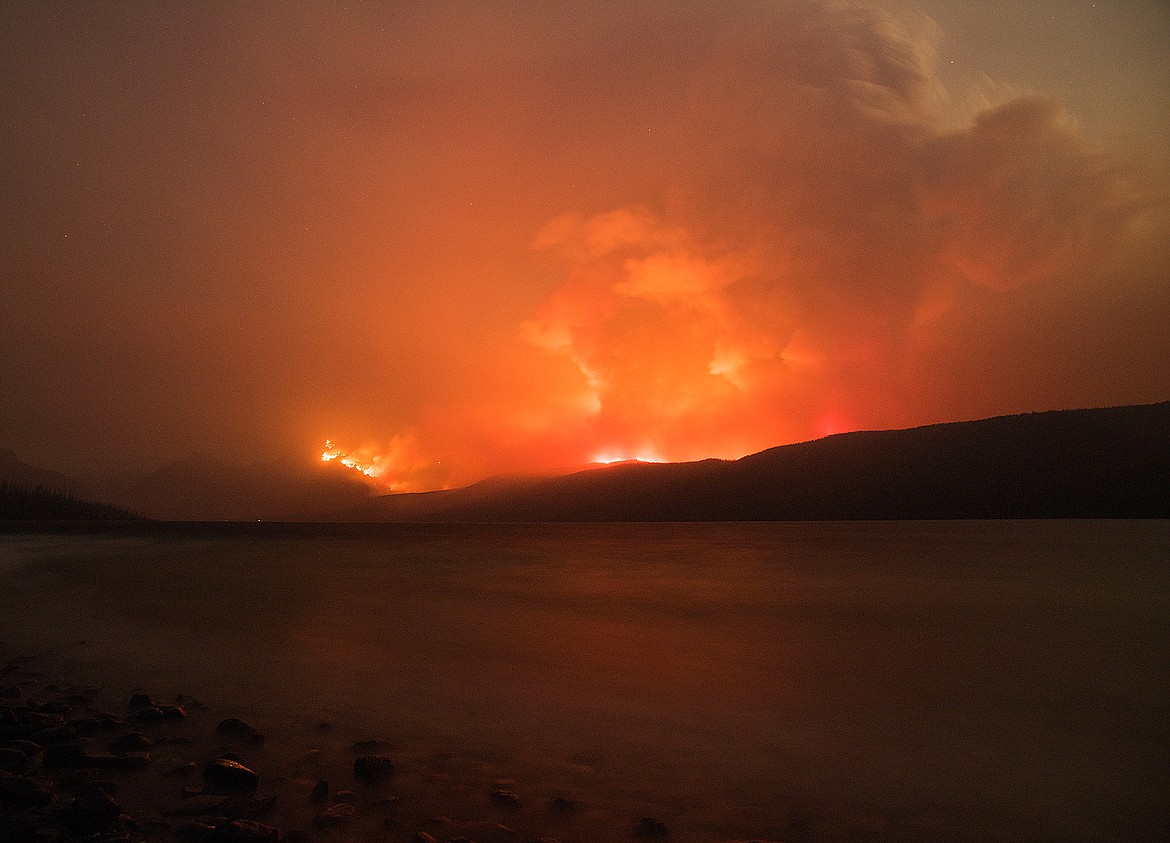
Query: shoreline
[[107, 765]]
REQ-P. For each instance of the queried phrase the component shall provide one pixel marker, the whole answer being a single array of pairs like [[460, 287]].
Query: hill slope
[[21, 503], [202, 488], [16, 473], [1102, 463]]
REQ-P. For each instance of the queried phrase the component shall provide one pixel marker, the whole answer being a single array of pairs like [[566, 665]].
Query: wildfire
[[334, 454], [398, 466], [609, 458]]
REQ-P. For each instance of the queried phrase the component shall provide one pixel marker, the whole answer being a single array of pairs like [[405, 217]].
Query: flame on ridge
[[332, 453], [399, 465], [611, 457]]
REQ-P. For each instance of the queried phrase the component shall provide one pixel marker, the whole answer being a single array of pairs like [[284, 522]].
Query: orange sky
[[464, 238]]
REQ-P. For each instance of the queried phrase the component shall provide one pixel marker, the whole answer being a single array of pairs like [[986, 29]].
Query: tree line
[[37, 503]]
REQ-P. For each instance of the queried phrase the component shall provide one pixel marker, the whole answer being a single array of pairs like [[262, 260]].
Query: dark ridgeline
[[1102, 463], [22, 503], [200, 488]]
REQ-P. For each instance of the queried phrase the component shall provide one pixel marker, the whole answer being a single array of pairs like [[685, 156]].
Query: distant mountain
[[29, 493], [37, 503], [201, 488], [1101, 463], [196, 488], [17, 473]]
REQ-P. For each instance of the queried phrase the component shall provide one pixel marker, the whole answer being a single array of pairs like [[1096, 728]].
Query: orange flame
[[611, 457], [398, 466], [333, 453]]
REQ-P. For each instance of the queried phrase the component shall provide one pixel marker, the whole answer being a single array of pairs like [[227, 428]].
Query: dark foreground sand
[[80, 763]]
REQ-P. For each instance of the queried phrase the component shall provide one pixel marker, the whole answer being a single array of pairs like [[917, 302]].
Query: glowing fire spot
[[609, 457], [832, 423], [399, 465], [333, 453]]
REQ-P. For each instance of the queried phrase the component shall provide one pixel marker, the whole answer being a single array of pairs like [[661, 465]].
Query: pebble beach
[[83, 763]]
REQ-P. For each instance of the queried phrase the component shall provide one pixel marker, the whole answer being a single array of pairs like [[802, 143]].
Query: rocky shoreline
[[75, 765]]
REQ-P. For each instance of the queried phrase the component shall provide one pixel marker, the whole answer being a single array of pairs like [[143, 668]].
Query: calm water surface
[[901, 680]]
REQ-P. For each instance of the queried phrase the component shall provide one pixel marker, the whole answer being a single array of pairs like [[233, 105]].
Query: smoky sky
[[464, 238]]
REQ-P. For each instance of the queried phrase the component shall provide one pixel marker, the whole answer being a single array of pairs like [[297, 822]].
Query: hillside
[[19, 474], [202, 488], [1100, 463], [196, 488], [21, 503]]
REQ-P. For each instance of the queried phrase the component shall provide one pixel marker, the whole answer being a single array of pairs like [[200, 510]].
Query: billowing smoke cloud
[[827, 219], [1020, 196], [646, 317], [461, 238]]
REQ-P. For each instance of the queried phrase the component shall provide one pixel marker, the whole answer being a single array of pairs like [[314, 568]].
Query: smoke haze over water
[[818, 681]]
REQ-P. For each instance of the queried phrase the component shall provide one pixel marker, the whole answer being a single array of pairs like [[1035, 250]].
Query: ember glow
[[394, 467], [609, 458], [464, 239], [332, 453]]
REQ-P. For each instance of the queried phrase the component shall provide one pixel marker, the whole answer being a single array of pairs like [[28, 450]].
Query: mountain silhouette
[[17, 473], [1098, 463], [202, 488]]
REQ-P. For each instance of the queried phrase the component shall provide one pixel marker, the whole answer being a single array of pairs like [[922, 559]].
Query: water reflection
[[991, 678]]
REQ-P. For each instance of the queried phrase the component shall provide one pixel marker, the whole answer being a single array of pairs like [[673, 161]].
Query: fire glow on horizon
[[396, 466], [331, 453], [380, 467], [468, 239], [763, 313], [609, 458]]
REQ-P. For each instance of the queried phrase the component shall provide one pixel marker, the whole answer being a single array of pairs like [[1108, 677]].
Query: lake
[[782, 681]]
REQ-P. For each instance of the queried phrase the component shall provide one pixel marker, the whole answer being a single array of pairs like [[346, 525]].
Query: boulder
[[151, 714], [245, 831], [373, 767], [650, 828], [234, 729], [224, 775], [194, 831], [54, 734], [505, 796], [51, 707], [139, 702], [185, 769], [132, 742], [335, 816], [92, 810]]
